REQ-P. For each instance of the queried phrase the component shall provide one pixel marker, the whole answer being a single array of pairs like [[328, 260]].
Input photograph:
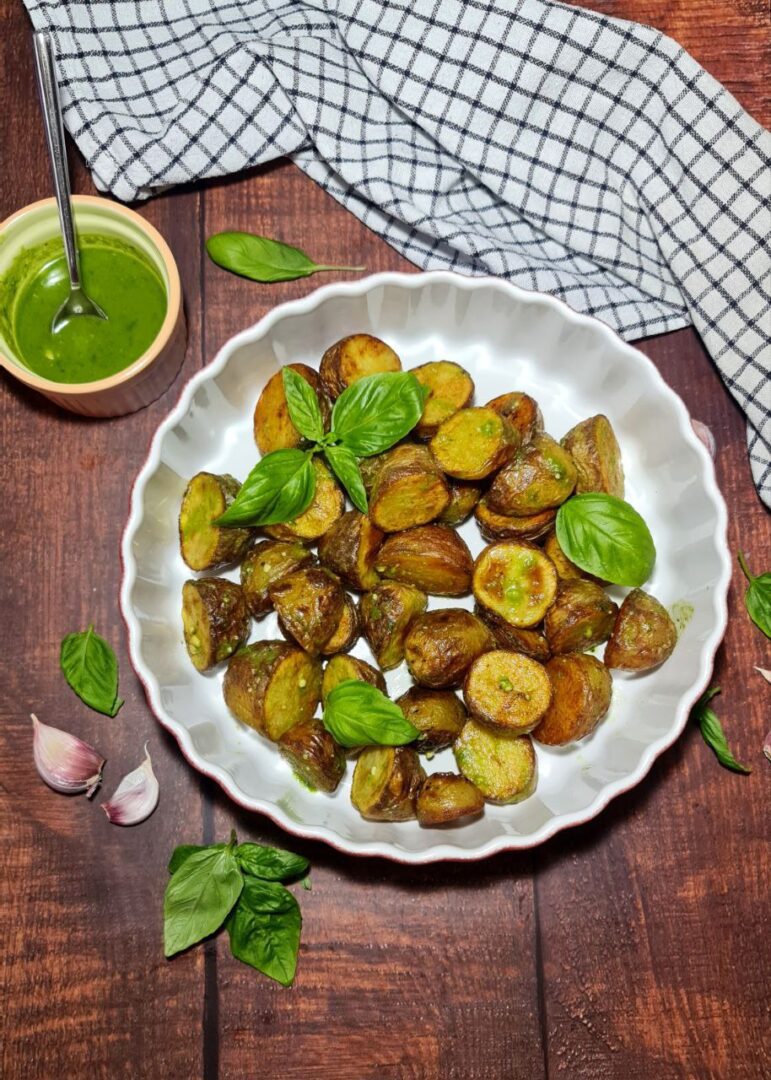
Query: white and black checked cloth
[[569, 152]]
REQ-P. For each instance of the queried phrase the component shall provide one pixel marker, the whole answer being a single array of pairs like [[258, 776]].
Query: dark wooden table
[[634, 947]]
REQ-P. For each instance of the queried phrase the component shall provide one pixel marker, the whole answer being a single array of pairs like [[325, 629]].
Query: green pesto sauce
[[116, 275], [681, 613]]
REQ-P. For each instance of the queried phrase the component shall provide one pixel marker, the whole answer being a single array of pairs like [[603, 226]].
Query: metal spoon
[[77, 303]]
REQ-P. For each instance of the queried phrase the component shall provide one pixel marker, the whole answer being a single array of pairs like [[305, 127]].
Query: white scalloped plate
[[508, 339]]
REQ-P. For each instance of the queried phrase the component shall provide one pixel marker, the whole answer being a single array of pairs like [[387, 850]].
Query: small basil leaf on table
[[262, 259], [279, 488], [180, 854], [303, 405], [91, 669], [713, 734], [346, 469], [199, 897], [264, 929], [358, 714], [377, 411], [606, 537], [757, 598], [270, 864]]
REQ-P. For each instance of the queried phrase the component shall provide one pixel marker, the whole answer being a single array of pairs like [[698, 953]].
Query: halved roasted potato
[[309, 604], [644, 634], [441, 645], [503, 767], [507, 691], [214, 619], [273, 427], [438, 715], [433, 558], [450, 388], [353, 357], [530, 643], [327, 507], [349, 548], [473, 443], [409, 489], [541, 476], [522, 412], [341, 668], [203, 545], [271, 685], [581, 692], [566, 570], [386, 782], [348, 629], [386, 613], [314, 755], [463, 498], [447, 797], [495, 526], [267, 562], [593, 446], [516, 581], [581, 617]]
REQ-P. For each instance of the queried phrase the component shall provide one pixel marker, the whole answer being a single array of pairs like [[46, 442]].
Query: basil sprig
[[279, 488], [238, 886], [262, 259], [713, 734], [91, 669], [757, 598], [606, 537], [358, 714]]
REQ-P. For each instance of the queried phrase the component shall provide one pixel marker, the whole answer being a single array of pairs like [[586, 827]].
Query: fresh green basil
[[303, 405], [264, 929], [91, 669], [279, 488], [346, 469], [262, 259], [606, 537], [757, 598], [358, 714], [184, 851], [270, 864], [713, 734], [199, 897], [377, 411]]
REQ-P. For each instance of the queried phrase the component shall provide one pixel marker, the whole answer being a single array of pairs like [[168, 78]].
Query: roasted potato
[[440, 646], [369, 467], [644, 635], [266, 563], [566, 570], [309, 603], [503, 767], [271, 685], [581, 617], [408, 489], [205, 546], [386, 782], [522, 412], [349, 548], [433, 558], [214, 619], [463, 499], [314, 755], [450, 388], [593, 447], [516, 581], [342, 667], [348, 630], [507, 691], [351, 358], [541, 476], [447, 797], [273, 428], [438, 715], [530, 643], [494, 526], [581, 691], [473, 443], [386, 613], [327, 507]]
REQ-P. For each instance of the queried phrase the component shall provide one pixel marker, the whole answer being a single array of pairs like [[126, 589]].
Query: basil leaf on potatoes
[[606, 537]]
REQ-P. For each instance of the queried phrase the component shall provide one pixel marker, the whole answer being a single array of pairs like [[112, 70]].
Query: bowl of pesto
[[96, 367]]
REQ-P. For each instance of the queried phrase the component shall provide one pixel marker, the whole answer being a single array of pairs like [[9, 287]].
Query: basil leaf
[[757, 598], [263, 259], [264, 929], [90, 667], [378, 411], [270, 864], [279, 488], [606, 536], [199, 897], [712, 731], [358, 714], [347, 471], [180, 854], [303, 405]]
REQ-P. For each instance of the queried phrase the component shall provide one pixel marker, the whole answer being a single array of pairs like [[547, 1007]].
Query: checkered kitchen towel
[[571, 153]]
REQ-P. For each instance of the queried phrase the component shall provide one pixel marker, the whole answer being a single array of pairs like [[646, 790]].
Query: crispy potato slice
[[266, 563], [450, 388], [644, 635], [447, 797], [438, 715], [566, 570], [348, 630], [473, 443], [314, 755], [581, 617], [327, 507], [516, 581], [507, 691], [271, 685], [494, 526], [386, 782], [503, 767], [205, 546], [463, 498], [581, 692], [310, 604], [593, 446], [342, 667], [540, 477], [353, 357], [349, 549], [386, 613], [273, 428], [408, 489], [433, 558], [530, 643], [522, 412], [441, 645], [214, 619]]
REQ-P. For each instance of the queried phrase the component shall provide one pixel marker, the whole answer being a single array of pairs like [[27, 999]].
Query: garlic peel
[[65, 762], [135, 797]]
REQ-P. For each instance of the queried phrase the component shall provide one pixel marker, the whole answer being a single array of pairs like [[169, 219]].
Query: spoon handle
[[48, 86]]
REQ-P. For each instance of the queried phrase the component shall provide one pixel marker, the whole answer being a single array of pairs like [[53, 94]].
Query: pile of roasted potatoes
[[521, 660]]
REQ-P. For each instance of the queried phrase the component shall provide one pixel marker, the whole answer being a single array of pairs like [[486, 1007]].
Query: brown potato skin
[[541, 476], [227, 616], [566, 570], [433, 558], [249, 676], [644, 634], [408, 489], [463, 499], [386, 613], [451, 388], [327, 508], [266, 563], [231, 544], [522, 412], [309, 603], [314, 755], [439, 716], [349, 549], [581, 693], [441, 645], [494, 526], [593, 446], [273, 428], [396, 801], [348, 630], [353, 357], [530, 643], [581, 617], [447, 797], [341, 667], [520, 706], [451, 444]]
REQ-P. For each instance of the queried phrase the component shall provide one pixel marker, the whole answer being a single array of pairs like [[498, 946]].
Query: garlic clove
[[765, 673], [64, 761], [135, 797], [767, 746]]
